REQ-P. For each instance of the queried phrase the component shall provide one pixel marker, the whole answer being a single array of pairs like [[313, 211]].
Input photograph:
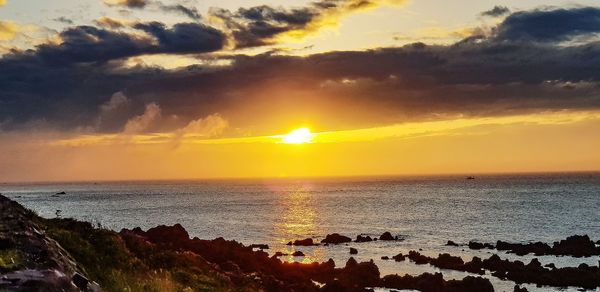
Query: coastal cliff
[[38, 254]]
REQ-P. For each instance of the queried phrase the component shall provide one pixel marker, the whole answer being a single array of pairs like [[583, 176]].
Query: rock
[[519, 289], [298, 254], [230, 266], [385, 258], [476, 245], [537, 248], [336, 238], [361, 238], [260, 246], [435, 283], [173, 235], [303, 242], [360, 275], [577, 246], [451, 243], [387, 236], [61, 193], [80, 281], [399, 257], [353, 250]]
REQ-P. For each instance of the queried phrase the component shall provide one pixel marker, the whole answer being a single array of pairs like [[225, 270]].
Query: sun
[[298, 136]]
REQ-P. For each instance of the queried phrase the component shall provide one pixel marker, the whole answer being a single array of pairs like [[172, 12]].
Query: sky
[[189, 89]]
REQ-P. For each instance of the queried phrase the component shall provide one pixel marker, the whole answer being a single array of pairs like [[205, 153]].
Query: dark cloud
[[128, 3], [475, 77], [550, 25], [190, 12], [259, 25], [496, 11], [184, 37], [92, 44]]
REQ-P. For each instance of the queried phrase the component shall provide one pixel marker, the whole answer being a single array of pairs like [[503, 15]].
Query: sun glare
[[298, 136]]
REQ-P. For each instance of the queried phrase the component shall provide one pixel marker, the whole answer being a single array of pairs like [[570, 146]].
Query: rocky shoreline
[[38, 254]]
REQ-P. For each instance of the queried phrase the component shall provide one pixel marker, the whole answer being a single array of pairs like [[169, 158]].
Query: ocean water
[[425, 211]]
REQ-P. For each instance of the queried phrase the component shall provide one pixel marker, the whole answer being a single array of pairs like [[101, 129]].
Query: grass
[[105, 258], [10, 260]]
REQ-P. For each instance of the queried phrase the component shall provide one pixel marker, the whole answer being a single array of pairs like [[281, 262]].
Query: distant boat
[[470, 177]]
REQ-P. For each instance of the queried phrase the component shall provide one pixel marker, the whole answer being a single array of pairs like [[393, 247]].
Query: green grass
[[10, 260], [104, 257]]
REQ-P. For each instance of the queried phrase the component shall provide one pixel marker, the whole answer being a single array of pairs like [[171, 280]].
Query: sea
[[423, 211]]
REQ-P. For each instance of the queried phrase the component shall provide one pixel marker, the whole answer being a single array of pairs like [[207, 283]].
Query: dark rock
[[361, 238], [298, 254], [451, 243], [303, 242], [577, 246], [336, 238], [435, 283], [387, 236], [353, 250], [173, 235], [537, 248], [399, 257], [476, 245], [519, 289], [359, 275], [385, 258], [260, 246], [61, 193], [80, 281]]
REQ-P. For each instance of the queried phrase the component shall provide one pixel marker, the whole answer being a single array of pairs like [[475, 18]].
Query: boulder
[[387, 236], [476, 245], [260, 246], [399, 257], [336, 238], [353, 250], [303, 242], [361, 238]]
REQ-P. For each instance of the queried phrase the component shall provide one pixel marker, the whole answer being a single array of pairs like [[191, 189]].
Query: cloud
[[113, 113], [184, 37], [553, 25], [64, 20], [496, 11], [190, 12], [475, 77], [2, 2], [91, 44], [210, 126], [144, 121], [111, 22], [261, 25], [127, 3], [8, 30]]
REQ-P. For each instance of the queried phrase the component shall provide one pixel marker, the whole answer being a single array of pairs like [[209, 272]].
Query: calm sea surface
[[425, 211]]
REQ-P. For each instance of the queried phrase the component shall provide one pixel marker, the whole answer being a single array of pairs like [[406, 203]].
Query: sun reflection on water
[[298, 221]]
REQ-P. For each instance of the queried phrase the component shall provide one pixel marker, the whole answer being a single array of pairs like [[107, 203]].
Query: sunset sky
[[185, 89]]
